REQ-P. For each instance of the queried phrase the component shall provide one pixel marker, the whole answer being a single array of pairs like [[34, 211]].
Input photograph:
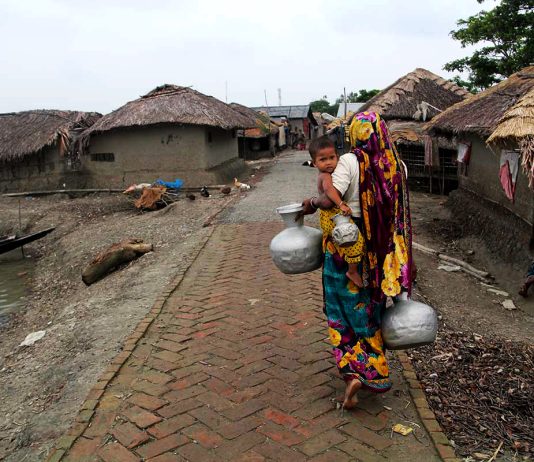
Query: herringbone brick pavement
[[237, 367]]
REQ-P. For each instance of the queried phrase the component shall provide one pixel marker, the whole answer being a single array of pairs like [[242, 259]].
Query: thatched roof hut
[[264, 125], [401, 99], [172, 104], [516, 128], [28, 132], [411, 132], [482, 113], [517, 122]]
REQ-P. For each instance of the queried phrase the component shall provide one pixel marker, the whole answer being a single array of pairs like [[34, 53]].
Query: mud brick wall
[[198, 155], [483, 180], [45, 170], [505, 235]]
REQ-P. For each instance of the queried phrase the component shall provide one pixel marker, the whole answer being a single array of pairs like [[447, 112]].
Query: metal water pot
[[409, 324], [298, 248], [346, 232]]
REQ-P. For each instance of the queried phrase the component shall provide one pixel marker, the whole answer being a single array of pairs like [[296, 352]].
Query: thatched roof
[[516, 129], [517, 122], [481, 113], [400, 100], [27, 132], [171, 104], [264, 125], [411, 132]]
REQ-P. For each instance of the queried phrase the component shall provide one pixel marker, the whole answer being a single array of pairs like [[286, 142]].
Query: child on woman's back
[[325, 159]]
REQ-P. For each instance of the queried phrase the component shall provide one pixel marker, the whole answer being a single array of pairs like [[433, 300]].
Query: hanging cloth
[[464, 152], [281, 136], [509, 168], [428, 150]]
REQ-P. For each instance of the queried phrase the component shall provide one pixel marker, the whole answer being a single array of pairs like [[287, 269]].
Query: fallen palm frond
[[480, 389]]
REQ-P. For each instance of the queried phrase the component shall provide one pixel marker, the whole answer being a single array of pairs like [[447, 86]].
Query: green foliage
[[322, 105], [506, 37], [467, 84], [360, 96]]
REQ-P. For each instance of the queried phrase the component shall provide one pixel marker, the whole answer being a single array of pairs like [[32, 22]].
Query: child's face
[[326, 160]]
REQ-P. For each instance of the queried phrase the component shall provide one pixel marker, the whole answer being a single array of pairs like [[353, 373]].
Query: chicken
[[241, 186], [136, 188]]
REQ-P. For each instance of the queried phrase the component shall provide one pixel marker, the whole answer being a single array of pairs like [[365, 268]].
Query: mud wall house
[[405, 105], [261, 140], [39, 150], [495, 126], [171, 132], [321, 125], [298, 117]]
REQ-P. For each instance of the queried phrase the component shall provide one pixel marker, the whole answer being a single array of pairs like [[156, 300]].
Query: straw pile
[[171, 104], [27, 132], [400, 100]]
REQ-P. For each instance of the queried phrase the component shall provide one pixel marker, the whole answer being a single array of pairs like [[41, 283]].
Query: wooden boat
[[8, 243]]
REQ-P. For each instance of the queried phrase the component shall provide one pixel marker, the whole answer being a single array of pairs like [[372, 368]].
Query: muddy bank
[[487, 237], [43, 385], [499, 239]]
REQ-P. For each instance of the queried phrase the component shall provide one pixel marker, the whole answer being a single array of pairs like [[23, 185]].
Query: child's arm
[[333, 194]]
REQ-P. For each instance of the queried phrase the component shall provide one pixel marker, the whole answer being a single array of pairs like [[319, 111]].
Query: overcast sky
[[99, 54]]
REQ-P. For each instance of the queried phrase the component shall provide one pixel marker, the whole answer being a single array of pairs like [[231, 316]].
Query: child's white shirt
[[346, 179]]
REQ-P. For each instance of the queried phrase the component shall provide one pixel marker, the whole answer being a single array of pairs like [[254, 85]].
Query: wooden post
[[20, 231]]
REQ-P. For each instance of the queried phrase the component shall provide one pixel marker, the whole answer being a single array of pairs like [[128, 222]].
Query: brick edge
[[426, 414], [86, 411]]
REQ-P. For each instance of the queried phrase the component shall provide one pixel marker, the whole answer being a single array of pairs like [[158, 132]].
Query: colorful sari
[[355, 315]]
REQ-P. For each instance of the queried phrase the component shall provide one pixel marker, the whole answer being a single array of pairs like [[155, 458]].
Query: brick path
[[237, 367]]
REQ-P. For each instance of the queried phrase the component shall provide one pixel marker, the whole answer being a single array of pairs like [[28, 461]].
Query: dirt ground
[[46, 383], [479, 338], [464, 302], [85, 326]]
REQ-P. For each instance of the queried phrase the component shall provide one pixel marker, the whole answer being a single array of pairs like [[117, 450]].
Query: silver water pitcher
[[346, 232], [409, 324], [298, 248]]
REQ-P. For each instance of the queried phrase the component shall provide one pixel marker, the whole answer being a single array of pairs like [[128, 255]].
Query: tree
[[322, 105], [506, 36], [360, 96], [467, 84]]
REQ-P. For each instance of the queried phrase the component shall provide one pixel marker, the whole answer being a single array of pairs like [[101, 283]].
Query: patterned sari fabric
[[385, 206], [355, 315]]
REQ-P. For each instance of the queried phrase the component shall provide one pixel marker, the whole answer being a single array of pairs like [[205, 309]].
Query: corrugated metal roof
[[291, 112], [351, 107]]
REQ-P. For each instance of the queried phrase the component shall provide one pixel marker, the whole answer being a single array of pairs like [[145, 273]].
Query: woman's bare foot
[[356, 278], [350, 399]]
